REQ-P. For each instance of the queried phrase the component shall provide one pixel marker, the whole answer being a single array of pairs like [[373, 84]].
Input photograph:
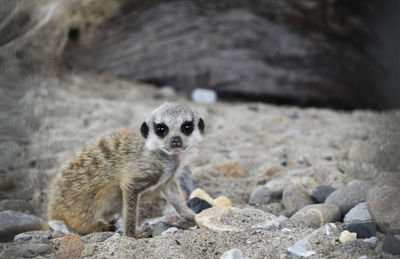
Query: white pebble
[[347, 236], [204, 96], [371, 240]]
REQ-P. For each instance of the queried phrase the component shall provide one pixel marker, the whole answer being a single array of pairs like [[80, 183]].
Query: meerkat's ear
[[201, 126], [144, 129]]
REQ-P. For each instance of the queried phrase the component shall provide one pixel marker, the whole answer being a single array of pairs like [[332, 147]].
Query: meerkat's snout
[[176, 143]]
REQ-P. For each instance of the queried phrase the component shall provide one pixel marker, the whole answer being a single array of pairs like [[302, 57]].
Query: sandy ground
[[73, 110]]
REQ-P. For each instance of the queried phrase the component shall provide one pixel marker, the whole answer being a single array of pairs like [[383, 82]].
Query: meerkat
[[108, 177]]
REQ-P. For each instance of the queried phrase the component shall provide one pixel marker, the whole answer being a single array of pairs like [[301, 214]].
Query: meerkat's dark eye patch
[[187, 128], [144, 129], [161, 129], [201, 126]]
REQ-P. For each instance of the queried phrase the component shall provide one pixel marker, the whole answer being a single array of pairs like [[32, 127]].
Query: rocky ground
[[288, 172]]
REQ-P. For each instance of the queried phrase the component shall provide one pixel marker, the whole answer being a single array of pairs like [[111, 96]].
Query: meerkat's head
[[172, 128]]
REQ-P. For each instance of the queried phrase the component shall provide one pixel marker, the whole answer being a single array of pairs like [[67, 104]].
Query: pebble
[[16, 205], [349, 196], [222, 201], [25, 250], [260, 195], [371, 240], [346, 236], [363, 229], [384, 204], [169, 231], [200, 193], [391, 245], [197, 205], [5, 181], [361, 151], [300, 248], [308, 182], [358, 213], [231, 170], [322, 192], [235, 220], [31, 235], [204, 96], [234, 253], [167, 91], [97, 236], [13, 223], [317, 215], [71, 246], [276, 187], [186, 181], [58, 225], [294, 198]]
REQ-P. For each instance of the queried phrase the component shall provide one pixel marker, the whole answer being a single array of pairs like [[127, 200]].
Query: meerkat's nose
[[176, 142]]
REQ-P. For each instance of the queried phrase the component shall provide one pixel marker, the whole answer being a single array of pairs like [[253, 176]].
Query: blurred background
[[340, 54]]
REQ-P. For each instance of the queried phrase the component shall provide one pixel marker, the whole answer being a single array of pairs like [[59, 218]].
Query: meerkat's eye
[[187, 128], [161, 129]]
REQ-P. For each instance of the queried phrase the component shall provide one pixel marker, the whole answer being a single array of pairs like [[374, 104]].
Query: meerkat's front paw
[[188, 215]]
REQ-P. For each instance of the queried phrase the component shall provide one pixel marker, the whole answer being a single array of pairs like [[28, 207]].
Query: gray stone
[[363, 229], [32, 235], [349, 196], [260, 195], [371, 240], [276, 187], [317, 215], [363, 152], [294, 198], [300, 248], [234, 253], [12, 223], [358, 213], [24, 250], [322, 192], [391, 245], [384, 204]]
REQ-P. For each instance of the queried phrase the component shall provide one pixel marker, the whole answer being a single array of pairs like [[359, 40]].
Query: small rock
[[16, 205], [24, 250], [363, 229], [300, 248], [198, 205], [169, 231], [276, 187], [362, 152], [349, 196], [59, 225], [384, 204], [371, 240], [347, 236], [5, 181], [294, 198], [317, 215], [391, 245], [71, 246], [204, 96], [88, 251], [322, 192], [187, 181], [31, 235], [200, 193], [231, 170], [167, 91], [260, 195], [234, 253], [235, 220], [308, 182], [12, 223], [358, 213], [272, 171], [97, 236], [222, 201]]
